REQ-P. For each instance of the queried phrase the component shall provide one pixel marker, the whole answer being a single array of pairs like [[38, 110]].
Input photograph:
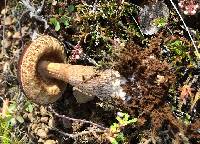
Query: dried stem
[[186, 28], [77, 134], [35, 12], [3, 51], [78, 120], [4, 108]]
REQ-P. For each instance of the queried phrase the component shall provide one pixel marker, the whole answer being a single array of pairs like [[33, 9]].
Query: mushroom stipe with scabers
[[43, 75]]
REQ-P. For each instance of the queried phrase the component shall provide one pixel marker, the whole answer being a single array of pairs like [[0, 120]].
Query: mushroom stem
[[86, 80], [72, 74]]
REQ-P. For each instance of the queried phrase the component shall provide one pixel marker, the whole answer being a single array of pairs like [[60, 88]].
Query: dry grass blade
[[186, 28], [3, 51]]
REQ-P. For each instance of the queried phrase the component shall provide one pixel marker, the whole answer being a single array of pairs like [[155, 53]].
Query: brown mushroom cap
[[39, 89]]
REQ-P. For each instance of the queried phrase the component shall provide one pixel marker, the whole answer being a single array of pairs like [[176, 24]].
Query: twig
[[78, 120], [28, 6], [138, 26], [4, 108], [39, 10], [34, 13], [75, 135], [92, 61], [3, 52], [20, 26], [196, 49]]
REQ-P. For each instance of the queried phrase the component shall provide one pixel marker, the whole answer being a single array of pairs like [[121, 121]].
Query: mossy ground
[[162, 73]]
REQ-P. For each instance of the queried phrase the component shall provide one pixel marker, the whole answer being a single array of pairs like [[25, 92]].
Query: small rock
[[34, 126], [8, 21], [46, 129], [24, 30], [50, 142], [44, 126], [51, 123], [14, 20], [30, 116], [42, 133], [16, 43], [36, 129], [4, 11], [6, 43], [44, 119], [9, 34], [54, 2], [150, 14], [67, 123], [17, 35], [40, 140], [16, 53], [43, 111], [25, 115]]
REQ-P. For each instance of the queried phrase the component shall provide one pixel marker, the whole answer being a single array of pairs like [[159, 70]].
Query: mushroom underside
[[39, 89]]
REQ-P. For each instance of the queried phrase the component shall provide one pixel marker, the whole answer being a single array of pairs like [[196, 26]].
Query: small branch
[[3, 51], [78, 120], [4, 108], [138, 26], [196, 49], [39, 10], [40, 18], [34, 13], [75, 135], [92, 61], [26, 3]]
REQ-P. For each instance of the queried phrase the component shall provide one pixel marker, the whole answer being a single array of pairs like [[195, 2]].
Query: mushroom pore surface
[[36, 87]]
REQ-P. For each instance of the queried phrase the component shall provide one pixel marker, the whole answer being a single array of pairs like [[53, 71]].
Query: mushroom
[[43, 74]]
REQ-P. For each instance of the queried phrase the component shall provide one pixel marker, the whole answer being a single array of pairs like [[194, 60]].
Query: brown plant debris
[[149, 79]]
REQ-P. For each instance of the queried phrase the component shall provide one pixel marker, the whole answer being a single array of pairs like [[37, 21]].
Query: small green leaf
[[71, 8], [120, 120], [197, 55], [114, 141], [12, 121], [20, 119], [126, 117], [29, 108], [57, 26], [60, 11], [65, 21], [55, 23], [178, 51], [132, 121], [160, 22], [12, 107], [114, 127], [120, 137]]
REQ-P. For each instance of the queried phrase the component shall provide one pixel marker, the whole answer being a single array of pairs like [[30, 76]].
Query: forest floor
[[146, 41]]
